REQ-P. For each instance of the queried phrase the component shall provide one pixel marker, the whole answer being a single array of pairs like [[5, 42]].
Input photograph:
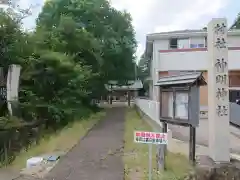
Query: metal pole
[[150, 162]]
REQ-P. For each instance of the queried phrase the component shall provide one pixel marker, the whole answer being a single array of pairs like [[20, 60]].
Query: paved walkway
[[98, 155]]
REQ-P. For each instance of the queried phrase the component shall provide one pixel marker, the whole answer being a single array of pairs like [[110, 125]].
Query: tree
[[143, 71], [143, 68], [236, 24], [76, 48], [111, 30]]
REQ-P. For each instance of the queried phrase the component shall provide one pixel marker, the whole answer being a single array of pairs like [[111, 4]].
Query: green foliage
[[94, 23], [143, 70], [77, 46], [236, 24]]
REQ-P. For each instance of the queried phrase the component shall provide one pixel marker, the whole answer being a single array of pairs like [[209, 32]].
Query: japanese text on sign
[[221, 69], [150, 137]]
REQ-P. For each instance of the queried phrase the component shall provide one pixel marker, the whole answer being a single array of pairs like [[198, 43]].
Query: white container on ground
[[34, 161]]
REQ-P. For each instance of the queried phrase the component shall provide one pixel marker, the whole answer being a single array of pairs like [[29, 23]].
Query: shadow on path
[[98, 155]]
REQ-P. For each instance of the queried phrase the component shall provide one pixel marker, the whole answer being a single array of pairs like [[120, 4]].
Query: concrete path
[[98, 155], [8, 174], [202, 134]]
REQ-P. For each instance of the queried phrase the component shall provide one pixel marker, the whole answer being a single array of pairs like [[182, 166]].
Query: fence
[[151, 108], [13, 140], [234, 114]]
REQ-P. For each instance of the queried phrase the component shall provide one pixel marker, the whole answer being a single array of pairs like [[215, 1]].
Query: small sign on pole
[[150, 138]]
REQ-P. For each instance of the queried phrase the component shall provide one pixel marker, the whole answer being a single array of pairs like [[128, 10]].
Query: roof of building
[[178, 34], [182, 79], [182, 31], [135, 86]]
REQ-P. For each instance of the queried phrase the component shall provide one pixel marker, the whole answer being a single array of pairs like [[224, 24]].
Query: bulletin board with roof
[[180, 104]]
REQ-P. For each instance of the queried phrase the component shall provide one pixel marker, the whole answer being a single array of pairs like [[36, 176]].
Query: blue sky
[[151, 16]]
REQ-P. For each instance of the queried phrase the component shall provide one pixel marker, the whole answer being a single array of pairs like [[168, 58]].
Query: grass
[[61, 141], [136, 155]]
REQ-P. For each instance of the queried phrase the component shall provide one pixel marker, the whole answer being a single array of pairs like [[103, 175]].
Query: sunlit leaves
[[77, 47]]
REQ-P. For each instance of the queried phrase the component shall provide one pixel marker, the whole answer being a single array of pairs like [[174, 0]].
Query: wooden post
[[192, 145], [165, 131], [161, 152], [129, 98], [5, 152]]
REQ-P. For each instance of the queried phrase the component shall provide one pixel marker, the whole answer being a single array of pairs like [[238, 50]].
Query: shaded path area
[[98, 155]]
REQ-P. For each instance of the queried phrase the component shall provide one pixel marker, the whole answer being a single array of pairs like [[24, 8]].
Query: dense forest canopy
[[77, 47]]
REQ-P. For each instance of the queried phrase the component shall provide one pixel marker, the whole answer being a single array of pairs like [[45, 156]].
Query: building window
[[196, 45], [175, 72], [173, 43], [193, 45], [189, 71], [183, 43]]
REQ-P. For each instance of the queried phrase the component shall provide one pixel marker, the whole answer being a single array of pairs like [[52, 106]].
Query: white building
[[185, 51]]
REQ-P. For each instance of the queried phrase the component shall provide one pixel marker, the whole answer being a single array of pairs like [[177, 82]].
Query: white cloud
[[138, 9], [151, 16], [35, 7], [194, 15], [24, 3], [139, 51], [161, 15]]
